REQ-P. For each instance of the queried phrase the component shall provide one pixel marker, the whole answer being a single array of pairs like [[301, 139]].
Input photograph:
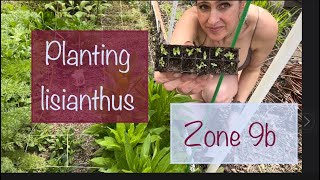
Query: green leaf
[[163, 164], [80, 14], [146, 147], [158, 157], [138, 134], [121, 128], [88, 8], [101, 161], [131, 130], [109, 143], [113, 169], [50, 6], [116, 135], [129, 152], [158, 130], [83, 4], [94, 129], [147, 170]]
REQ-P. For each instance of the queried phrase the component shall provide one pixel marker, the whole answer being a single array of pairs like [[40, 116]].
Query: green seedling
[[198, 50], [204, 55], [163, 50], [218, 51], [202, 65], [214, 65], [189, 51], [161, 62], [176, 51], [229, 55]]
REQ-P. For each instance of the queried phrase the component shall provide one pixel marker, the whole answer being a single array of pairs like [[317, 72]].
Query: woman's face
[[219, 18]]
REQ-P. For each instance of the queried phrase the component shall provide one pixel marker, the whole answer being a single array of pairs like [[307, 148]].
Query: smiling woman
[[213, 24]]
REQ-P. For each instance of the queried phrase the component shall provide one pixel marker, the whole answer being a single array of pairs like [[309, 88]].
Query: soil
[[174, 65], [189, 66]]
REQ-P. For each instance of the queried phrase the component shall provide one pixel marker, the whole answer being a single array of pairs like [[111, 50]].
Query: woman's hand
[[184, 83]]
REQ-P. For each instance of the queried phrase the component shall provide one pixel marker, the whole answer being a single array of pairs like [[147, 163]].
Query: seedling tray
[[196, 60]]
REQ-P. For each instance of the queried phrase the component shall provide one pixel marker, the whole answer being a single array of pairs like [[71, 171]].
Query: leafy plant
[[161, 62], [90, 10], [213, 64], [198, 50], [201, 65], [217, 52], [176, 51], [205, 55], [189, 51], [163, 50], [229, 55], [142, 147]]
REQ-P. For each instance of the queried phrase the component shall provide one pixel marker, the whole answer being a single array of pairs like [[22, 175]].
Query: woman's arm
[[185, 30], [263, 43]]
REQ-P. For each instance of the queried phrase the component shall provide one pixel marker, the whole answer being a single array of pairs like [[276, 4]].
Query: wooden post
[[157, 13]]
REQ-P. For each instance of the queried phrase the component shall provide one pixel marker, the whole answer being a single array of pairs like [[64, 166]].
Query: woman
[[213, 23]]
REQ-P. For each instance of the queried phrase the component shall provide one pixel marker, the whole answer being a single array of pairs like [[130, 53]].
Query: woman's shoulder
[[266, 25], [186, 27]]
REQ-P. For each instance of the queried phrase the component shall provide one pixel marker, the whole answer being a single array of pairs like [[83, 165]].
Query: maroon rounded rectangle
[[89, 76]]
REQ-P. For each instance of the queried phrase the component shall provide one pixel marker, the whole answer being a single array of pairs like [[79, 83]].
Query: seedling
[[189, 51], [176, 51], [202, 65], [218, 51], [229, 55], [205, 55], [214, 64], [163, 50], [198, 50], [161, 62]]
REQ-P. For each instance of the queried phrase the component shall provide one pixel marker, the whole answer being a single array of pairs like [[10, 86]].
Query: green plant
[[176, 51], [217, 52], [205, 55], [201, 65], [189, 51], [163, 50], [62, 147], [198, 50], [22, 162], [90, 10], [229, 55], [161, 62], [142, 147], [213, 64]]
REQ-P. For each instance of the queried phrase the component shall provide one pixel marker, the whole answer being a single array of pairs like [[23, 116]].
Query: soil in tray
[[230, 67], [174, 65], [189, 66], [202, 66], [161, 64], [216, 67]]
